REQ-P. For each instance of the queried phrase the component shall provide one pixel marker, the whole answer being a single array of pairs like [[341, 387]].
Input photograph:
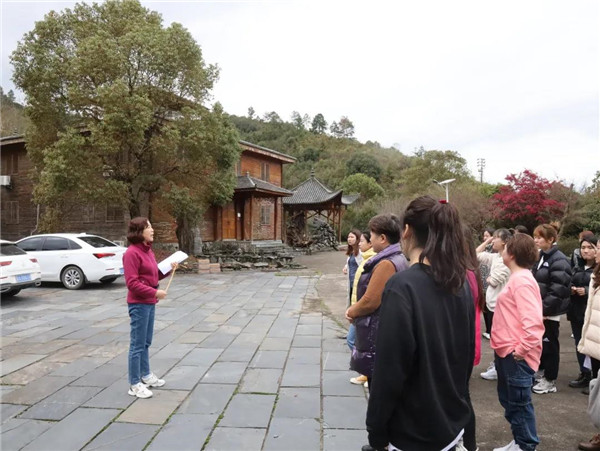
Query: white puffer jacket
[[590, 335]]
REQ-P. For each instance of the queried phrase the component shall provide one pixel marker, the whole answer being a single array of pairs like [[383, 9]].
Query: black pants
[[488, 316], [469, 440], [550, 350]]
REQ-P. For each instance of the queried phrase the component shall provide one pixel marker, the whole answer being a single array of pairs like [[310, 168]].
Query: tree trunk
[[185, 236]]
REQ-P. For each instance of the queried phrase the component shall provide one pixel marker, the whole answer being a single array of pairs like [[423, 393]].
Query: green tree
[[116, 106], [342, 129], [362, 184], [298, 120], [364, 164], [428, 165], [319, 124], [12, 116]]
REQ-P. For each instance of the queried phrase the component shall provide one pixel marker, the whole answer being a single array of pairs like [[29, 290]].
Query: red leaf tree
[[526, 200]]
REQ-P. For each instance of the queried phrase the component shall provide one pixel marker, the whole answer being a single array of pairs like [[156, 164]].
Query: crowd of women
[[417, 286]]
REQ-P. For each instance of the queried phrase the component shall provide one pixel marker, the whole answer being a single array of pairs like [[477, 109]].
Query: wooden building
[[254, 214]]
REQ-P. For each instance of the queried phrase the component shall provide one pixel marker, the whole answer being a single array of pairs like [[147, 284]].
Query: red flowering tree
[[526, 200]]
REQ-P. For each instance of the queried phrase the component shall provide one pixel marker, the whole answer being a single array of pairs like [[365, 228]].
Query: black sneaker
[[582, 381]]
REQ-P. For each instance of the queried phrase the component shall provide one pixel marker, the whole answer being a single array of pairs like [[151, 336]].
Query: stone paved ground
[[250, 362]]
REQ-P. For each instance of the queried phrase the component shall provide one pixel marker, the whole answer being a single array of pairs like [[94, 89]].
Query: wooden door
[[229, 222]]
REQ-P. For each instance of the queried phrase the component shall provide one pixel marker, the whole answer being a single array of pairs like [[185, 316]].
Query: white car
[[18, 270], [75, 258]]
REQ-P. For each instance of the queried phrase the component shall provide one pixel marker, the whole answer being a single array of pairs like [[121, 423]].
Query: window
[[11, 212], [96, 241], [31, 244], [7, 249], [87, 213], [10, 163], [55, 243], [265, 215], [264, 172], [114, 213]]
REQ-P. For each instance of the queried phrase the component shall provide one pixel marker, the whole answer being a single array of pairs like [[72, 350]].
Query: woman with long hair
[[353, 259], [141, 277], [517, 342], [496, 279], [580, 285], [553, 275], [427, 329]]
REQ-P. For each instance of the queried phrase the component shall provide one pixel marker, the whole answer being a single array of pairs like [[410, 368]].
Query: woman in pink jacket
[[141, 276], [517, 341]]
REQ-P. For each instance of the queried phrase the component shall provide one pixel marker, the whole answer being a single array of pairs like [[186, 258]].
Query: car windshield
[[96, 241], [10, 249]]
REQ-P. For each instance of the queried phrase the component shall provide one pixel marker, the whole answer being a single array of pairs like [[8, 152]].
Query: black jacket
[[425, 349], [581, 278], [554, 279]]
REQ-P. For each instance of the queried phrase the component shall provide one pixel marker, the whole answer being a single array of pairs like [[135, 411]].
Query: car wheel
[[11, 293], [107, 281], [72, 278]]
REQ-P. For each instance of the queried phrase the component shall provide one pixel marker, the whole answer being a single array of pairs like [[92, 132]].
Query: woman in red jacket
[[141, 276]]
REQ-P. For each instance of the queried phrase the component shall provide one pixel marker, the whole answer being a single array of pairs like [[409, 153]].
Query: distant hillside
[[12, 115]]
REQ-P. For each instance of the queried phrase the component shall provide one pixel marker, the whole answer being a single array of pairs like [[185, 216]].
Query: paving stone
[[344, 412], [269, 359], [188, 431], [7, 411], [103, 376], [79, 367], [113, 396], [103, 338], [337, 383], [71, 353], [336, 361], [225, 373], [308, 329], [74, 431], [160, 367], [261, 380], [184, 377], [293, 433], [207, 399], [32, 372], [238, 353], [248, 411], [62, 403], [235, 439], [193, 337], [297, 375], [18, 362], [306, 341], [335, 345], [343, 439], [275, 344], [201, 357], [37, 390], [305, 356], [174, 350], [17, 433], [123, 436], [154, 410], [298, 402], [217, 340]]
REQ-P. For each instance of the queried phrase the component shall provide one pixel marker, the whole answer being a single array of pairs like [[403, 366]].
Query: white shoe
[[544, 386], [358, 380], [139, 390], [490, 374], [152, 381], [486, 335], [366, 384], [538, 376], [512, 446]]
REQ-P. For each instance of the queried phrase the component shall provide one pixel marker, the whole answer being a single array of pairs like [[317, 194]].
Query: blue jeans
[[351, 337], [142, 327], [515, 379]]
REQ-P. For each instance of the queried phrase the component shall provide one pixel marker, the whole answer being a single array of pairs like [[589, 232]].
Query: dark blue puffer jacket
[[554, 279]]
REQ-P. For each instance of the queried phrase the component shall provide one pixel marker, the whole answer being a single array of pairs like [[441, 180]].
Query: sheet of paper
[[165, 265]]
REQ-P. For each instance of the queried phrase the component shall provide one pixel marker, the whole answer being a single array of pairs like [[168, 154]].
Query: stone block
[[123, 436], [248, 411], [293, 433]]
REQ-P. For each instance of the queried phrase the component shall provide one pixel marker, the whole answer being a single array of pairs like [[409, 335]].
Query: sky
[[514, 82]]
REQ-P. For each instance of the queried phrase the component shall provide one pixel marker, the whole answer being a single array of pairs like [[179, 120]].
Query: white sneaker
[[490, 374], [544, 386], [512, 446], [366, 384], [139, 390], [538, 376], [152, 381], [486, 335]]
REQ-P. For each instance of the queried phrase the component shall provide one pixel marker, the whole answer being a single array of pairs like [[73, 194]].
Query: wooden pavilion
[[311, 199]]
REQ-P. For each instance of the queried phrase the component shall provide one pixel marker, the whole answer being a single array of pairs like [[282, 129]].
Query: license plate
[[122, 270], [23, 277]]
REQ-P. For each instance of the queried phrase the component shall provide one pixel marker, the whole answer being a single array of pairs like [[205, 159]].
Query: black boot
[[582, 381]]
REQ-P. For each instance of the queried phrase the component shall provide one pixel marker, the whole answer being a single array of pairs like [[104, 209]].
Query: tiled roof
[[311, 191], [247, 183], [273, 153]]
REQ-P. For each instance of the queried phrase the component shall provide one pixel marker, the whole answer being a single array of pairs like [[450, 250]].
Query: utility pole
[[480, 168]]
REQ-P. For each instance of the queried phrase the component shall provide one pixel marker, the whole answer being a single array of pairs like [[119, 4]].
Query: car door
[[53, 257]]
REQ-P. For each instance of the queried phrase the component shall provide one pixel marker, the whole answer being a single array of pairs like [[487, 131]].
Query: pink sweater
[[518, 320], [141, 274]]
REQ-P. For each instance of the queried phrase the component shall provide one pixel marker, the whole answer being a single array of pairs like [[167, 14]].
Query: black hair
[[503, 234], [388, 225], [353, 250], [367, 235], [438, 230]]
